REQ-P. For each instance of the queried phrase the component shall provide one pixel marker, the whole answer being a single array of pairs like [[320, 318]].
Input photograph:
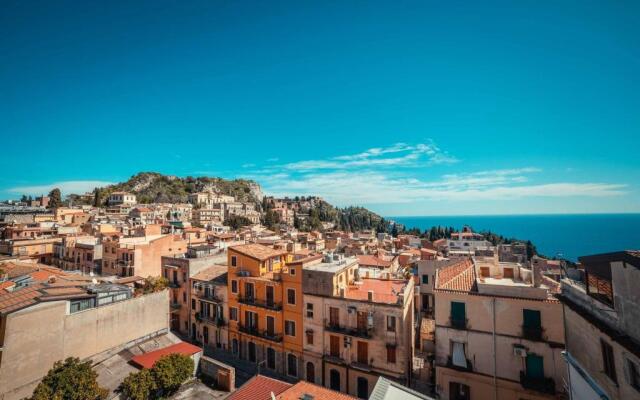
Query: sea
[[555, 235]]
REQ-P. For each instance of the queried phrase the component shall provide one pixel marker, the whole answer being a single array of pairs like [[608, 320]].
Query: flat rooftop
[[333, 266]]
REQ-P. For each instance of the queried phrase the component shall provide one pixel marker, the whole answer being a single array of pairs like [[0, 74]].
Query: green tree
[[154, 284], [97, 197], [55, 198], [394, 230], [70, 380], [237, 221], [171, 371], [139, 385], [24, 198]]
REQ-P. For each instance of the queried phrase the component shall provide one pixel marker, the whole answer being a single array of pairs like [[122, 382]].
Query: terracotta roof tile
[[259, 388], [459, 277], [369, 260], [384, 291], [147, 360], [20, 298], [257, 251], [297, 392]]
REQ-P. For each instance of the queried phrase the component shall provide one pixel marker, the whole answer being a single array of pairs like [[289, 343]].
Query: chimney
[[370, 295]]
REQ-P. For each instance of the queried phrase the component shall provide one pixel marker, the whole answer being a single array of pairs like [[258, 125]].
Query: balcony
[[532, 332], [451, 365], [211, 320], [251, 301], [365, 333], [542, 385], [175, 305], [274, 337], [174, 285], [210, 296], [458, 323]]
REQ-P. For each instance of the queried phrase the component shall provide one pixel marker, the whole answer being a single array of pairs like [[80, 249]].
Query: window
[[535, 366], [458, 315], [425, 279], [292, 365], [311, 374], [363, 352], [531, 324], [184, 297], [289, 328], [608, 362], [363, 387], [81, 305], [292, 271], [233, 313], [633, 374], [334, 380], [309, 310], [234, 287], [193, 304], [458, 356], [291, 296], [459, 391], [234, 261], [391, 354], [309, 337], [271, 358], [391, 323], [234, 346]]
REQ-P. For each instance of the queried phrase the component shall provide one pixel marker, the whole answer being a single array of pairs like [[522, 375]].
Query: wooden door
[[362, 321], [334, 346], [334, 316], [363, 352]]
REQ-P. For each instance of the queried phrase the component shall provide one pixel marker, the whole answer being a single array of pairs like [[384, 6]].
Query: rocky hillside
[[152, 187]]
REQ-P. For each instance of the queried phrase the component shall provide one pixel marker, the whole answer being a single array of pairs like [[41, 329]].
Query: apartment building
[[82, 253], [265, 308], [355, 329], [36, 249], [142, 215], [497, 333], [602, 309], [208, 199], [207, 216], [117, 198], [178, 270], [139, 255], [69, 320], [209, 311]]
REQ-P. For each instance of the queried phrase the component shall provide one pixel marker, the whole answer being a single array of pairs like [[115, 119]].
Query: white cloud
[[371, 187], [66, 187], [404, 155]]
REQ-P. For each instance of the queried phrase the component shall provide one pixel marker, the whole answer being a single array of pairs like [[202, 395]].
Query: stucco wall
[[38, 336]]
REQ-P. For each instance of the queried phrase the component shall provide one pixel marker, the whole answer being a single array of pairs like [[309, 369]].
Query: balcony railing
[[532, 332], [174, 285], [175, 305], [542, 385], [260, 333], [458, 323], [252, 301], [210, 320], [365, 333], [208, 296]]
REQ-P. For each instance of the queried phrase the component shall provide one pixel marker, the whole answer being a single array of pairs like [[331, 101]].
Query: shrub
[[70, 380], [139, 385]]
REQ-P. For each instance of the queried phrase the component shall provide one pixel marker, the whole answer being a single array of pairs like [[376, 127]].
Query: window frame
[[292, 324], [290, 290]]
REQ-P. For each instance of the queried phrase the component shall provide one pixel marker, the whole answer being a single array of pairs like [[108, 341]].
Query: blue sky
[[408, 108]]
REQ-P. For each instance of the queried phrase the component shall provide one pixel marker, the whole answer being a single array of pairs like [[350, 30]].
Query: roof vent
[[306, 396]]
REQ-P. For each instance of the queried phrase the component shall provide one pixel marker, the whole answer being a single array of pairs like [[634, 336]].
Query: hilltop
[[153, 187]]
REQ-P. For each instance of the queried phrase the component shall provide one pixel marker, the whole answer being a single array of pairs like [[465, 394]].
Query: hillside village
[[296, 299]]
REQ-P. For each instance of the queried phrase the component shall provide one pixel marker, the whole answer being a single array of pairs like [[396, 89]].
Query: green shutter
[[531, 318], [535, 366], [458, 311]]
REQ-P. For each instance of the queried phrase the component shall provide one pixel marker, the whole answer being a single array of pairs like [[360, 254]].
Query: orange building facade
[[265, 308]]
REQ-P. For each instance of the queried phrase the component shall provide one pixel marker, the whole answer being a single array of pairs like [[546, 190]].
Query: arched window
[[334, 380], [363, 387], [311, 372], [292, 365]]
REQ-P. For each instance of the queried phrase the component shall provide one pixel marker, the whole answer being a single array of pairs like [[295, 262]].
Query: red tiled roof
[[7, 285], [384, 291], [148, 360], [374, 261], [459, 277], [259, 388], [11, 301], [297, 391]]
